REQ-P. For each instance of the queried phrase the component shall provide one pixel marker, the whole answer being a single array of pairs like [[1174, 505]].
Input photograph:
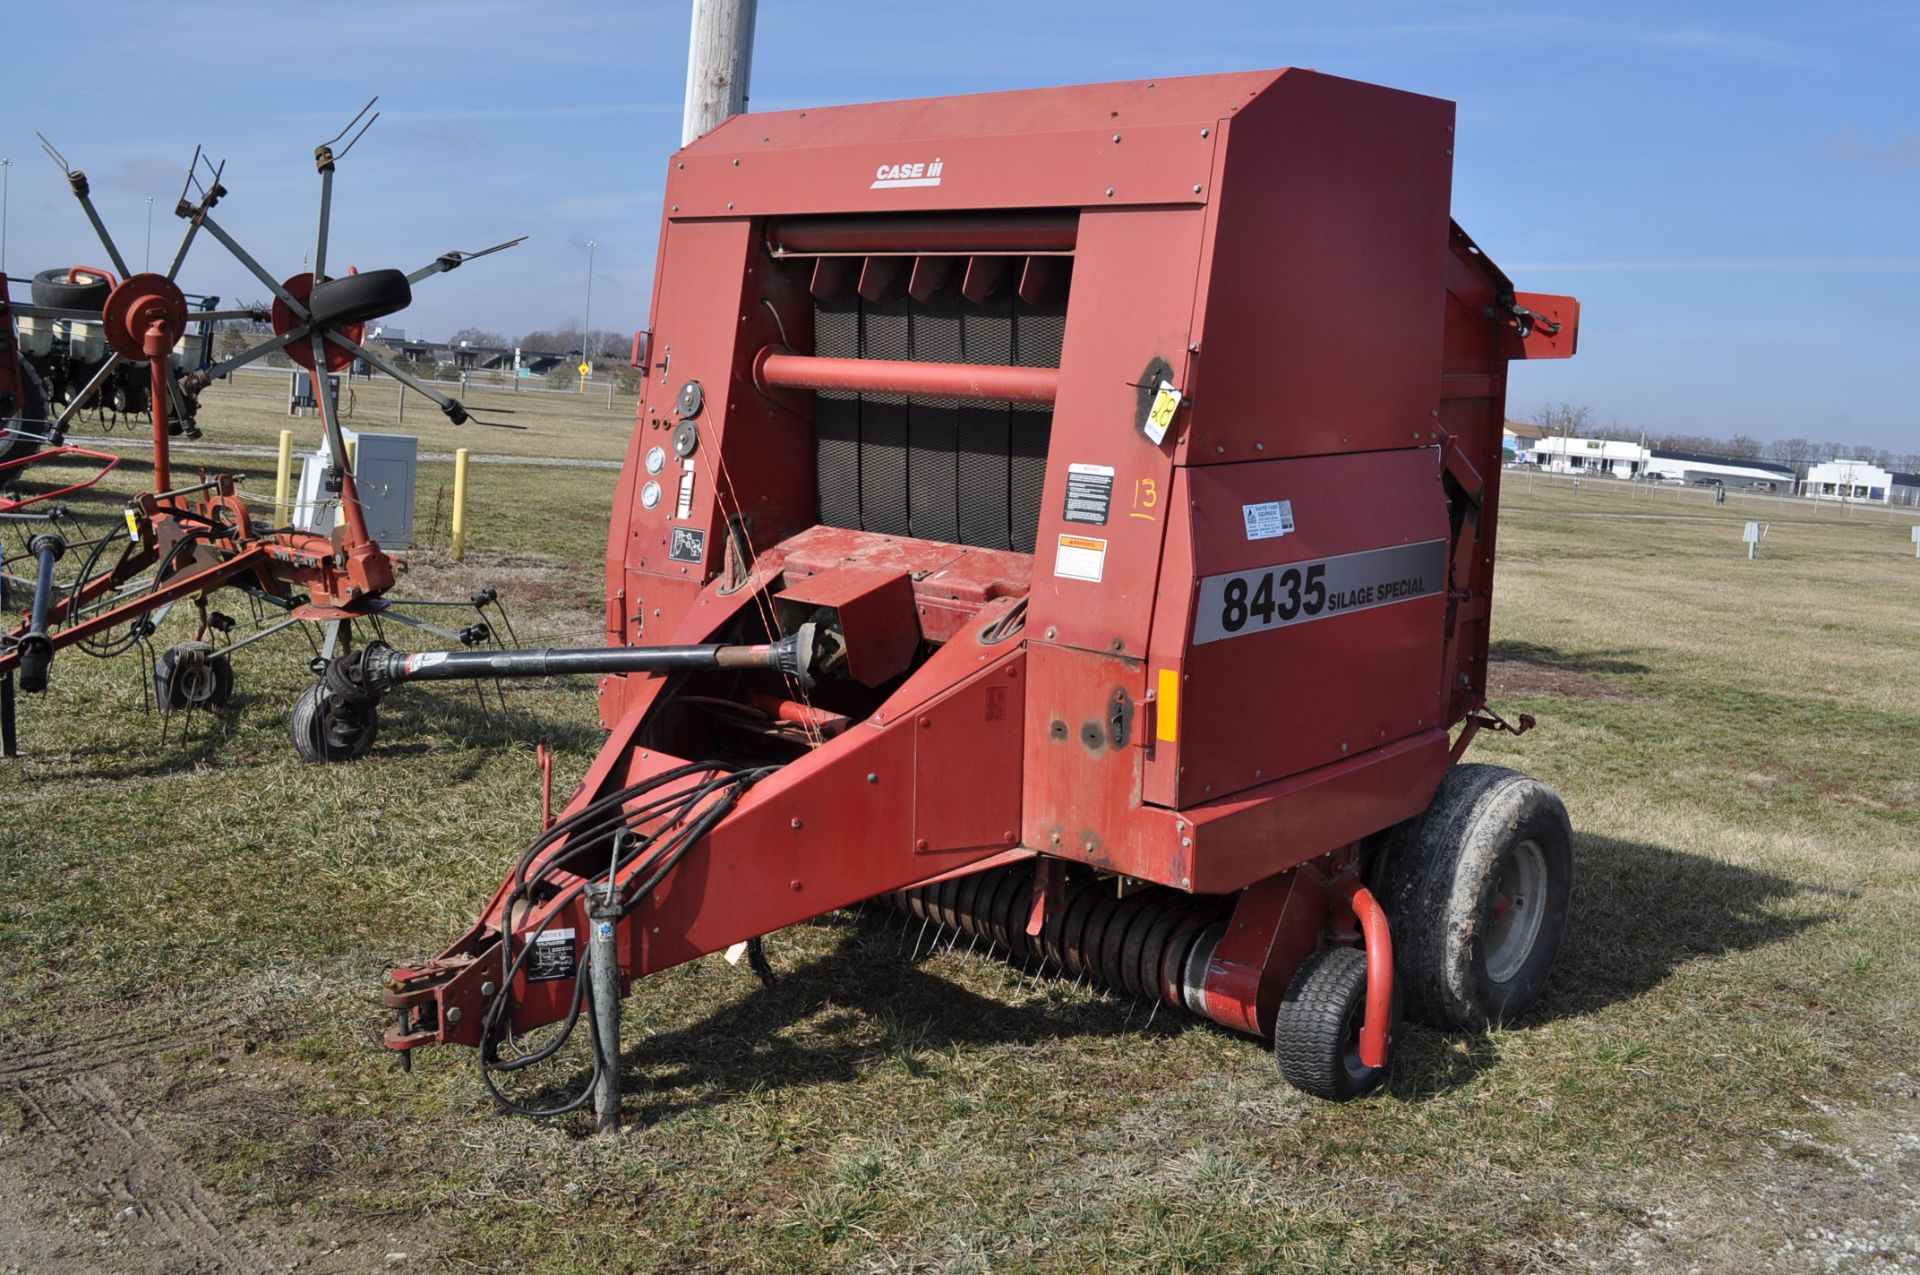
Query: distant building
[[1521, 439], [1721, 471], [1860, 480], [1599, 456]]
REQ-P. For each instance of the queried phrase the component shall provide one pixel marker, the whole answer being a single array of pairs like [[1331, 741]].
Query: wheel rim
[[1350, 1056], [1517, 911]]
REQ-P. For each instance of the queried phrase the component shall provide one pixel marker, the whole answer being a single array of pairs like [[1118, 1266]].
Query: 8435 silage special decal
[[1237, 603]]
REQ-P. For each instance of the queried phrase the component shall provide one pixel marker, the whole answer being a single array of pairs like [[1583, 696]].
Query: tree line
[[1576, 421]]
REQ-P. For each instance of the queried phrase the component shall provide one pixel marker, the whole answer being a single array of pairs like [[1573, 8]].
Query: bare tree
[[1564, 419], [479, 337]]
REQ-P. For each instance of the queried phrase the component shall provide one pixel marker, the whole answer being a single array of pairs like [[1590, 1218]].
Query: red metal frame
[[1276, 247]]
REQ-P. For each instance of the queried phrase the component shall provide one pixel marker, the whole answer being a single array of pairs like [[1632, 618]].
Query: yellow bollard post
[[283, 477], [459, 504]]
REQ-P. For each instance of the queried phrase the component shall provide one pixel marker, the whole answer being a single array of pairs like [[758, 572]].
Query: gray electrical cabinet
[[385, 467], [385, 470]]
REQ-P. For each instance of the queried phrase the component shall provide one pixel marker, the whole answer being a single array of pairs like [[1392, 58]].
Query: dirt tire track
[[156, 1208]]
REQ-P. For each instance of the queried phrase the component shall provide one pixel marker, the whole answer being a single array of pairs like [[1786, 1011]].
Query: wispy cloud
[[1898, 153]]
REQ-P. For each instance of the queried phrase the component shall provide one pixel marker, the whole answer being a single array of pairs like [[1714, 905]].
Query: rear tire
[[1477, 891], [1316, 1031], [326, 727], [50, 288]]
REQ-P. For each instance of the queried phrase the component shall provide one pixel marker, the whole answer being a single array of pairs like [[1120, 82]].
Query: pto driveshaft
[[382, 666]]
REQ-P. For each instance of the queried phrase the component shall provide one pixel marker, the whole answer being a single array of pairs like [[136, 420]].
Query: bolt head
[[794, 822]]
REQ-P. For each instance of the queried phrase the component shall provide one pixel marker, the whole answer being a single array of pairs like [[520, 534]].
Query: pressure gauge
[[656, 457], [650, 494]]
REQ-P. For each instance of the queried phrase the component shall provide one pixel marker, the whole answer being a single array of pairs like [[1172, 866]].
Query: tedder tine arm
[[81, 191], [195, 213], [455, 410], [457, 258]]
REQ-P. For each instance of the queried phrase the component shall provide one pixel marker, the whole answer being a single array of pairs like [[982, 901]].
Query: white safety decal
[[1243, 602], [1080, 558], [1269, 520]]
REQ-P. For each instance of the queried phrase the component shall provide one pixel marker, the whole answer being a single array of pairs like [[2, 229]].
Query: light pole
[[148, 263], [586, 324], [6, 180]]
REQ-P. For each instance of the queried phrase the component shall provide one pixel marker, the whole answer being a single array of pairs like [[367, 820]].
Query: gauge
[[650, 494], [656, 457]]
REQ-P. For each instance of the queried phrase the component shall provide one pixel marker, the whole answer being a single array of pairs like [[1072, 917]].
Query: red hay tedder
[[1070, 515]]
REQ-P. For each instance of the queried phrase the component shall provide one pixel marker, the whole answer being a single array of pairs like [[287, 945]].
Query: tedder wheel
[[356, 298], [29, 415], [1316, 1031], [50, 288], [192, 675], [1476, 889], [327, 727]]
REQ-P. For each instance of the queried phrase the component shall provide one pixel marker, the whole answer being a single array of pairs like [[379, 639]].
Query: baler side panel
[[1319, 331], [1309, 665], [1131, 304], [753, 457]]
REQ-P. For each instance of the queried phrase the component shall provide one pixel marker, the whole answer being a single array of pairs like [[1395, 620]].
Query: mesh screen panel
[[935, 468]]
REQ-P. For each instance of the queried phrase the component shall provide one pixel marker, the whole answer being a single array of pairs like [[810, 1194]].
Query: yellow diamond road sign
[[585, 368]]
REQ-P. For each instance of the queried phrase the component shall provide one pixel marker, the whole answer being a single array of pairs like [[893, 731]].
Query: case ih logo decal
[[889, 176]]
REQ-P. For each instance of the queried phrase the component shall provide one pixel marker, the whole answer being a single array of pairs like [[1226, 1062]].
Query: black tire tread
[[1415, 879], [1310, 1028]]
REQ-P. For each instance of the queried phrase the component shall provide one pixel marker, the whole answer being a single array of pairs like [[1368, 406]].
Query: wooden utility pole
[[719, 63]]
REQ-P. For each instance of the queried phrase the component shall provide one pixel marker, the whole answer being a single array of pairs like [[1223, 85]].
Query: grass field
[[1722, 1075]]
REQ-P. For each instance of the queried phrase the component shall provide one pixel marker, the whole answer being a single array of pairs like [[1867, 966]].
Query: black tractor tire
[[1316, 1031], [358, 298], [50, 288], [326, 727], [193, 675], [23, 428], [1476, 890]]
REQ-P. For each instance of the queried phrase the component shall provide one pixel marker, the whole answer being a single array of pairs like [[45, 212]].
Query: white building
[[1521, 440], [1591, 456], [1860, 480], [1721, 471]]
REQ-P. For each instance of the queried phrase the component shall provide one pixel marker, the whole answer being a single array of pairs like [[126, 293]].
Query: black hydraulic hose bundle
[[681, 819]]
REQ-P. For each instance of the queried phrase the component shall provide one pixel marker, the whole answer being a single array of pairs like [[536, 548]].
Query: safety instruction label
[[1268, 520], [1243, 602], [1080, 558], [552, 955], [1089, 494], [687, 544]]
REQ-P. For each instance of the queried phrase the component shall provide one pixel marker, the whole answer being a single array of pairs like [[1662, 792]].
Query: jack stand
[[603, 962]]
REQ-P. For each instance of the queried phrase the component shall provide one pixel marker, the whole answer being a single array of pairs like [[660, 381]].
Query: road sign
[[585, 368]]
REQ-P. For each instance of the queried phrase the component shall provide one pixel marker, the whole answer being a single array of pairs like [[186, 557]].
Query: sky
[[1732, 190]]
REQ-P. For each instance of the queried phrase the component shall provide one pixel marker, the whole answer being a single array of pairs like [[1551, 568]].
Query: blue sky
[[1732, 190]]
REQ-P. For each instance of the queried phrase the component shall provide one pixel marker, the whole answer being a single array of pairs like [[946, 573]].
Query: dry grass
[[1742, 966]]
